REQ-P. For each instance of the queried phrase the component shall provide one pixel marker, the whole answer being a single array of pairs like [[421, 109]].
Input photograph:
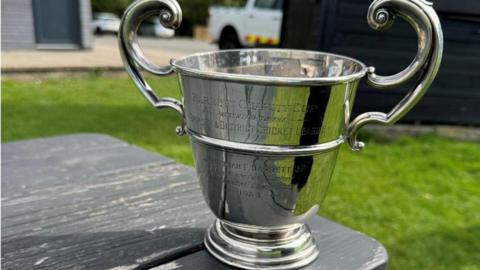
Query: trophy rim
[[270, 80]]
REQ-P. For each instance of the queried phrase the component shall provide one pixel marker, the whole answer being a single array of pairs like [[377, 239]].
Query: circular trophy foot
[[251, 247]]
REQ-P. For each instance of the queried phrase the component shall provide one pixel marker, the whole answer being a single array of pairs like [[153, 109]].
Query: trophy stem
[[253, 247]]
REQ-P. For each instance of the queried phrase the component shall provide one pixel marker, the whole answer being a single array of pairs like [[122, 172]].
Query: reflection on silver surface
[[265, 114], [260, 248], [266, 126], [272, 66], [261, 190]]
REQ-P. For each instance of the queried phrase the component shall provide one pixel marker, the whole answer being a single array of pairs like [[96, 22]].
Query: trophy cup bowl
[[265, 126]]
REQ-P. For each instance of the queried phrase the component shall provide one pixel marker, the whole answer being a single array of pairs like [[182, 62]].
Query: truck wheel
[[98, 31], [229, 40]]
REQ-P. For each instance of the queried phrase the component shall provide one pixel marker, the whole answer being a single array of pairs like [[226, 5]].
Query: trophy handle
[[170, 16], [423, 18]]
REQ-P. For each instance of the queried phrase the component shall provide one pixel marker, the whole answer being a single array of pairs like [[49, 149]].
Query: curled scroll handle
[[170, 16], [423, 18]]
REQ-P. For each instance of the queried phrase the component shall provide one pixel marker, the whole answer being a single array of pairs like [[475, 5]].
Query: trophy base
[[252, 247]]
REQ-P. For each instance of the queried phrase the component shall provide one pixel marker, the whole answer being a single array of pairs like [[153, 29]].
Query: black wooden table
[[94, 202]]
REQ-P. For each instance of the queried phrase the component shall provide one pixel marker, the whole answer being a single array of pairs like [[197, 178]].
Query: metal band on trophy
[[266, 125]]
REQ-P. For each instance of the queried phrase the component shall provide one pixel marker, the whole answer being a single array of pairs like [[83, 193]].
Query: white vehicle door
[[263, 21]]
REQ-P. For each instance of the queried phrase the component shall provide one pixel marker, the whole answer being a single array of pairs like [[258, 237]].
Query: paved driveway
[[104, 54]]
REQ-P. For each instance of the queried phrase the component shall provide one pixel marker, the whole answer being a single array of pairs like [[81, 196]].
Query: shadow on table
[[101, 250]]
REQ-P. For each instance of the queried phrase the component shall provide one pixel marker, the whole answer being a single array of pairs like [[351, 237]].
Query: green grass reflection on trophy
[[419, 196]]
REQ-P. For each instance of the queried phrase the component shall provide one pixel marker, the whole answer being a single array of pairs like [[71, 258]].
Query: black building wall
[[340, 26]]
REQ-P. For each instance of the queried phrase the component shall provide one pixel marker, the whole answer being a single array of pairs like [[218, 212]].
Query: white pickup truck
[[252, 23]]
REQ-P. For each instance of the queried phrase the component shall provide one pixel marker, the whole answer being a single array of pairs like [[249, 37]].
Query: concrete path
[[104, 55]]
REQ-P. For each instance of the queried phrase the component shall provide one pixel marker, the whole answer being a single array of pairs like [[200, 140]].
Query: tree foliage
[[113, 6]]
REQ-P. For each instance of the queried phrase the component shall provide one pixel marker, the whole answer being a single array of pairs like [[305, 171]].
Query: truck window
[[269, 4]]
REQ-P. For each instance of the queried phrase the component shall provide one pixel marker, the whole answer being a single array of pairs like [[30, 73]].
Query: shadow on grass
[[447, 249]]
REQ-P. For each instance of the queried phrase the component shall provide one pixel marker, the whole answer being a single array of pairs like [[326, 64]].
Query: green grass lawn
[[419, 196]]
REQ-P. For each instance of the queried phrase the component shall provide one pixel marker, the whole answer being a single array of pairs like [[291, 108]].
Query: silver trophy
[[266, 126]]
